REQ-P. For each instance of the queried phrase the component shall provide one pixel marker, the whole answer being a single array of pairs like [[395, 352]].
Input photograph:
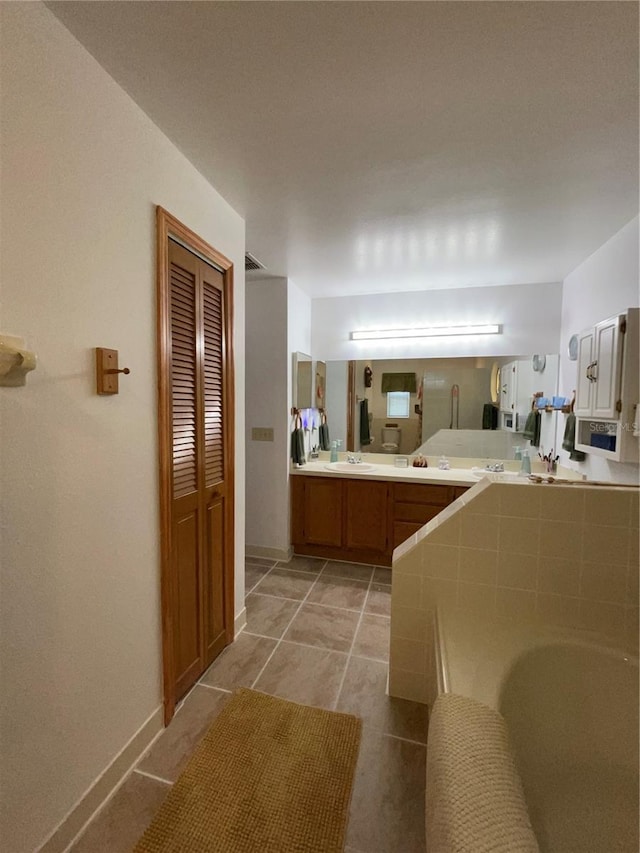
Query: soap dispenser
[[334, 452], [525, 466]]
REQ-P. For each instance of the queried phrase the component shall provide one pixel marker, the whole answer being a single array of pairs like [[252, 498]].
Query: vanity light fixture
[[431, 332]]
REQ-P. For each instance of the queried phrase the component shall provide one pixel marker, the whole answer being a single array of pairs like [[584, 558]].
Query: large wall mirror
[[452, 406]]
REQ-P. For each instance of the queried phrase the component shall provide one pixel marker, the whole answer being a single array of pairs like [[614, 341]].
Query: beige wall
[[267, 401], [561, 555], [82, 169], [604, 284]]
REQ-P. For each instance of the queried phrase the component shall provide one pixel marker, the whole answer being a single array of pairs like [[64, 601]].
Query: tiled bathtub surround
[[562, 555]]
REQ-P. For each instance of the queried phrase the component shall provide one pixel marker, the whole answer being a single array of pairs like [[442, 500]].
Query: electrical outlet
[[262, 434]]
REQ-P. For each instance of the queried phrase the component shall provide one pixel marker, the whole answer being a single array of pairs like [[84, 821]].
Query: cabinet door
[[584, 384], [366, 515], [606, 368], [508, 387], [322, 499]]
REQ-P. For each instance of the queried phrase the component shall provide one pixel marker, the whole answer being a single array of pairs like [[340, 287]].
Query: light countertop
[[388, 472]]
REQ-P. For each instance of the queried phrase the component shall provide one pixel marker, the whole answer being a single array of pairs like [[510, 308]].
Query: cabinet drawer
[[422, 494], [402, 530], [416, 513]]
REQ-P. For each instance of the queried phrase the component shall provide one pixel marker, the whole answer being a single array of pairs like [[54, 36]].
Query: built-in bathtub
[[571, 707]]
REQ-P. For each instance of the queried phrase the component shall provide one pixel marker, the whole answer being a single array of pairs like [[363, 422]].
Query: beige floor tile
[[125, 817], [253, 575], [326, 627], [269, 616], [372, 639], [240, 663], [313, 565], [339, 592], [364, 694], [379, 600], [382, 575], [387, 808], [355, 571], [286, 584], [172, 750], [302, 674]]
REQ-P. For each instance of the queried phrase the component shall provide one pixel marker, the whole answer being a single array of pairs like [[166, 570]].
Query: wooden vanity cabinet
[[322, 512], [414, 506], [366, 516], [340, 518], [361, 520]]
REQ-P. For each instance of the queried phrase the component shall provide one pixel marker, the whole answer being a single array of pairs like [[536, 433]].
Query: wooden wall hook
[[107, 371]]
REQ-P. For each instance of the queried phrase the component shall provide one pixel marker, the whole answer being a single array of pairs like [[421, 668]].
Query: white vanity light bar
[[432, 332]]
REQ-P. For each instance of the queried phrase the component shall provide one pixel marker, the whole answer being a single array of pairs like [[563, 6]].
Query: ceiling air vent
[[251, 263]]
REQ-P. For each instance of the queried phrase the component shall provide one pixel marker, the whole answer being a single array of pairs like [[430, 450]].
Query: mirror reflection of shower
[[453, 396]]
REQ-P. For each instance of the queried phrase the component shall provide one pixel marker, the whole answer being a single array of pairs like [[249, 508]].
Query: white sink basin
[[479, 473], [351, 467]]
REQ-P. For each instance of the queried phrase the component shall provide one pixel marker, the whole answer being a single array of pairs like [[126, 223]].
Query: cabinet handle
[[594, 375]]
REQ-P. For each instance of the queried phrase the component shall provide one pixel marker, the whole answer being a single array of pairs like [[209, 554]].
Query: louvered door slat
[[213, 395], [183, 380]]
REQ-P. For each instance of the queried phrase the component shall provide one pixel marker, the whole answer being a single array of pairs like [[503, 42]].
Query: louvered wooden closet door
[[215, 492], [198, 488]]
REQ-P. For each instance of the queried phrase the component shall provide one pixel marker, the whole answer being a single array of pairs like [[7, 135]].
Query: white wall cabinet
[[508, 387], [584, 386], [508, 396], [607, 388], [600, 369]]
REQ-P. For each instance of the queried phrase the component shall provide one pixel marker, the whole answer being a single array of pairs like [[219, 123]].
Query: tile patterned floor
[[318, 633]]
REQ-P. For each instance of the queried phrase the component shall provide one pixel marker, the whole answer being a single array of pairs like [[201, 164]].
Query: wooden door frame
[[351, 405], [168, 226]]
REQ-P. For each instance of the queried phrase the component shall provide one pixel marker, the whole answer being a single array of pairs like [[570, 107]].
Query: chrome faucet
[[354, 458]]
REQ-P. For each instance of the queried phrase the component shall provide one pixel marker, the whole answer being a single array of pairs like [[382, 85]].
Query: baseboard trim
[[240, 622], [273, 553], [105, 785]]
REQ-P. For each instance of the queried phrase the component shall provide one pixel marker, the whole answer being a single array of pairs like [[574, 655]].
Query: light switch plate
[[262, 434]]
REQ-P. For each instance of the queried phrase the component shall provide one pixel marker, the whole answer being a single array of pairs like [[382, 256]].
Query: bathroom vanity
[[363, 517]]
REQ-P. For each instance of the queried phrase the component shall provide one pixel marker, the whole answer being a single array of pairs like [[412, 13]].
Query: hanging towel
[[297, 443], [530, 425], [532, 428], [489, 416], [569, 440], [365, 434], [323, 434]]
